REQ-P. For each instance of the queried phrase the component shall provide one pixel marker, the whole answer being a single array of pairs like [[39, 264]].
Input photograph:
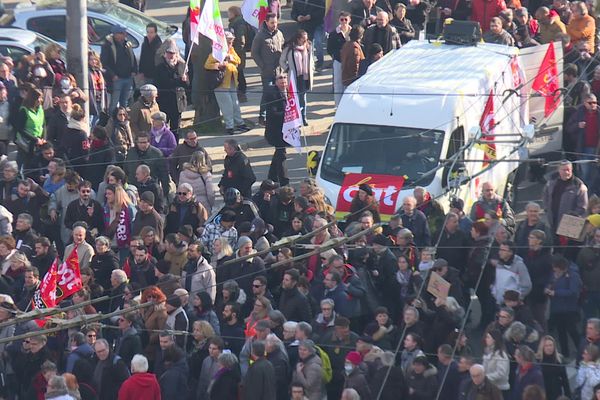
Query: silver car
[[49, 19], [17, 43]]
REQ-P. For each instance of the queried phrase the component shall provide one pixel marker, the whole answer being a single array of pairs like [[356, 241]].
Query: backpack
[[326, 363]]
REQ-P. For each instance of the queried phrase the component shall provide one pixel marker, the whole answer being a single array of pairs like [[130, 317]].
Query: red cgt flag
[[546, 81], [487, 124], [68, 277]]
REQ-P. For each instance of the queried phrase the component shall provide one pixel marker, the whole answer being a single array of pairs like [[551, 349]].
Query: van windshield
[[384, 150]]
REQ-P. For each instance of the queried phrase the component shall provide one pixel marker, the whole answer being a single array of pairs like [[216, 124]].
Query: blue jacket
[[83, 351], [532, 377], [567, 289], [345, 303]]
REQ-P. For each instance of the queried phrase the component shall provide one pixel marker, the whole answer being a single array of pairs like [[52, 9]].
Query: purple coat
[[167, 142]]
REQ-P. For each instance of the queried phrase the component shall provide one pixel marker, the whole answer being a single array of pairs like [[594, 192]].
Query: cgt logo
[[385, 190]]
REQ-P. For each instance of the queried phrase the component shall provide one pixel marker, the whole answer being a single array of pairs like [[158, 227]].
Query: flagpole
[[187, 59]]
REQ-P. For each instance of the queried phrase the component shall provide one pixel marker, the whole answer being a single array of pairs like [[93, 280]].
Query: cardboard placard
[[438, 286], [572, 227]]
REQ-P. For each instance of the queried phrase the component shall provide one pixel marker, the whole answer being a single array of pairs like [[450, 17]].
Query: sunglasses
[[181, 193], [91, 336], [256, 286]]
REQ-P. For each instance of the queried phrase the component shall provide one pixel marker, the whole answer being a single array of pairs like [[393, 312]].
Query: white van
[[414, 120]]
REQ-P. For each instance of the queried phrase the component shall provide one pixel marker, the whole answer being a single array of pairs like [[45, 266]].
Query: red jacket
[[141, 385], [483, 11]]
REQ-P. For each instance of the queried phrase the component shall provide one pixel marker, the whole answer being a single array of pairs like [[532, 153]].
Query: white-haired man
[[141, 384]]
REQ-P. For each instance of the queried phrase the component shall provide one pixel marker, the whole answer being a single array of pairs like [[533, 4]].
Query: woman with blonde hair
[[221, 251], [98, 92], [118, 217], [196, 172], [53, 56], [556, 381], [75, 143]]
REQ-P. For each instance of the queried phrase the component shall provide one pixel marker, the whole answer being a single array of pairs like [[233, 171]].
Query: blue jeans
[[318, 38], [588, 170], [230, 108], [121, 92]]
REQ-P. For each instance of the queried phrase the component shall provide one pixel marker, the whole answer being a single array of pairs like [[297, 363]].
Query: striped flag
[[211, 26], [255, 12], [194, 19]]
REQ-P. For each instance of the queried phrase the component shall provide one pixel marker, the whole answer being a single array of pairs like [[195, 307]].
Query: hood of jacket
[[85, 350], [143, 379]]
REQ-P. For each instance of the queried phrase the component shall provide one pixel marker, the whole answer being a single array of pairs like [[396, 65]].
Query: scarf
[[346, 35], [157, 134], [79, 125], [301, 61], [98, 144], [123, 231]]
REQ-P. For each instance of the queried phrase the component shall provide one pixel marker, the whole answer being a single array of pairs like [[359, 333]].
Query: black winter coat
[[275, 106], [103, 266], [260, 382], [238, 174], [294, 305], [113, 374], [540, 271], [99, 158], [281, 365], [129, 345], [76, 212], [395, 384], [424, 385], [147, 64], [226, 386], [314, 8], [173, 382], [168, 79]]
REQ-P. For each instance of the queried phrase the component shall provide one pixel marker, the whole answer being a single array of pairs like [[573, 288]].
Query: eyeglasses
[[181, 193], [256, 286], [91, 335]]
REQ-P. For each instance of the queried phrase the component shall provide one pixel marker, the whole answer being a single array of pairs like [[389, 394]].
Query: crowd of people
[[268, 297]]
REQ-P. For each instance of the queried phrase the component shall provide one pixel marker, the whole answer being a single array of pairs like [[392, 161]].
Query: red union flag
[[386, 189], [487, 125], [68, 277], [292, 120], [546, 80], [45, 296]]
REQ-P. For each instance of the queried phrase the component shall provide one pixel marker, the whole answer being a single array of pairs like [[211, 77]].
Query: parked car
[[16, 43], [49, 18]]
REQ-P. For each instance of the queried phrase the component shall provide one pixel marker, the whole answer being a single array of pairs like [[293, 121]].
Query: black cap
[[382, 240], [366, 188]]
